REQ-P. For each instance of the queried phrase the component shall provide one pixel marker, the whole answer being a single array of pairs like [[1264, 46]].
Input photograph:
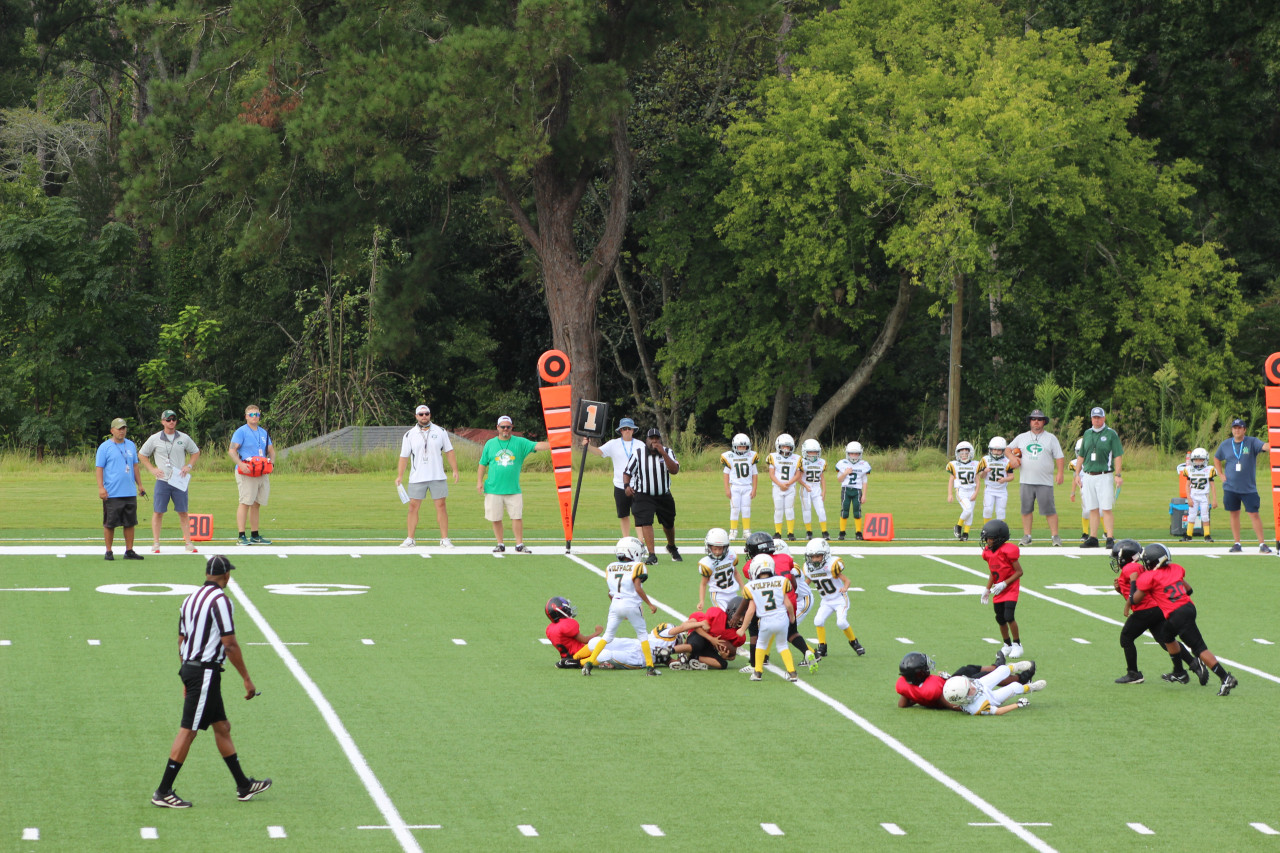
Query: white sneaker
[[446, 543], [733, 534], [1025, 541], [409, 542], [1015, 651], [746, 669], [1020, 666], [745, 533], [1057, 541], [1006, 650], [155, 549], [1037, 685]]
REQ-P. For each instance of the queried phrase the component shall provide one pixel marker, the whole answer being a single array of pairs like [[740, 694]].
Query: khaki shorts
[[253, 490], [495, 504]]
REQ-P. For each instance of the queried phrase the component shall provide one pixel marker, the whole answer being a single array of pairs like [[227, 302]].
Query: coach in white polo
[[1041, 470], [620, 451], [1098, 475], [422, 450]]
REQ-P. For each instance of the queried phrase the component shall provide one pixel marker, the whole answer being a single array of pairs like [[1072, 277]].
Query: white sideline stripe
[[527, 831], [95, 642], [407, 826], [888, 740], [38, 589], [905, 641], [771, 829], [267, 644], [652, 829], [149, 833], [276, 832], [1264, 829], [458, 642], [1140, 829], [379, 795], [367, 641], [32, 833], [893, 829], [1081, 641], [1263, 642], [1024, 823], [1049, 598]]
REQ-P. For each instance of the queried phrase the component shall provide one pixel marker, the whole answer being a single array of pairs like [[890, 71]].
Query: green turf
[[483, 737]]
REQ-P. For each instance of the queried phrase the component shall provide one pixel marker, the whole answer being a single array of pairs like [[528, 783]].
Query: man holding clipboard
[[175, 455]]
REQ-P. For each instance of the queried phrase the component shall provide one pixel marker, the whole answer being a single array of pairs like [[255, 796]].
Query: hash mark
[[527, 831], [652, 829], [893, 829], [771, 829]]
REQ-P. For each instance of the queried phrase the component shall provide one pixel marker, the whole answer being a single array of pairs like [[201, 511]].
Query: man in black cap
[[207, 637], [647, 478], [1237, 462], [1042, 466]]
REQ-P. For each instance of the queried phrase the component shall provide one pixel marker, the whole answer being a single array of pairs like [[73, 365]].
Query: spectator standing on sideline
[[647, 478], [249, 441], [175, 455], [423, 449], [1100, 457], [119, 484], [1236, 461], [206, 638], [619, 451], [1042, 466], [500, 486]]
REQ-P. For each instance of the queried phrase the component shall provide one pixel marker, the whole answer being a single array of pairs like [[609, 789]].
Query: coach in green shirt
[[1098, 465], [498, 479]]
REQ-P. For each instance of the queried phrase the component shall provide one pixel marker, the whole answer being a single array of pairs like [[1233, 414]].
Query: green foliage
[[185, 347]]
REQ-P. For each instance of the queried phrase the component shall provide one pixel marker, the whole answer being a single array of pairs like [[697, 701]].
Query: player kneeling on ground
[[919, 685], [984, 696]]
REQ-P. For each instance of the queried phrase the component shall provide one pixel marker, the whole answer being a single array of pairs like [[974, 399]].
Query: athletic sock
[[822, 634], [746, 523], [787, 660], [822, 527], [733, 525], [1177, 663], [595, 655], [759, 659], [844, 524], [1219, 671], [857, 525], [799, 642], [849, 635], [1205, 528], [777, 528], [170, 774], [233, 764], [648, 653], [791, 527], [253, 535], [1187, 657]]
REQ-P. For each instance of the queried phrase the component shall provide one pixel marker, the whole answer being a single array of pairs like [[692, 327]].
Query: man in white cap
[[422, 451], [498, 479], [1099, 459], [619, 451]]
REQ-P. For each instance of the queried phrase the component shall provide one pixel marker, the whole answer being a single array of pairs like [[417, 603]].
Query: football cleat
[[964, 537], [1184, 538], [791, 537], [1208, 538], [857, 647], [1201, 671], [1000, 658], [1035, 686], [1130, 677], [1028, 676], [811, 661], [821, 651], [791, 676], [1023, 702], [841, 536], [169, 800], [587, 666], [957, 530], [651, 670], [755, 676], [1228, 683], [697, 664], [858, 536], [1005, 649], [746, 669], [1019, 667], [1177, 677], [1015, 651], [256, 786], [733, 534]]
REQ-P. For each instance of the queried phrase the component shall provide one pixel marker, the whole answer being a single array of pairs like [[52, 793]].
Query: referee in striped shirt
[[206, 638], [647, 478]]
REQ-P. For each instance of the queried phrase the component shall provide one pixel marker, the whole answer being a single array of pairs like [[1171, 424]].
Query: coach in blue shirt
[[1237, 462], [119, 484]]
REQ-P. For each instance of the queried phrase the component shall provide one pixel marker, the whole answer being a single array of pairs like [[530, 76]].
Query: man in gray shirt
[[1042, 466]]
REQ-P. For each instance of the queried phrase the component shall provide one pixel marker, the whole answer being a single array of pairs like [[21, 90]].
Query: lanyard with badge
[[1236, 448]]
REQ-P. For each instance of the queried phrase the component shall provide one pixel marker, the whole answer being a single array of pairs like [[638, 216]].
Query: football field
[[410, 702]]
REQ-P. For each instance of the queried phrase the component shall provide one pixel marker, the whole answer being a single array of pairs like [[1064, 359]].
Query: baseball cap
[[422, 410], [1098, 412], [504, 421], [117, 423], [168, 413], [218, 565], [1238, 422], [626, 423], [653, 432], [1037, 414]]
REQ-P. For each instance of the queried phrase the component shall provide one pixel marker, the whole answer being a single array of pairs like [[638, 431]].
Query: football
[[1015, 461]]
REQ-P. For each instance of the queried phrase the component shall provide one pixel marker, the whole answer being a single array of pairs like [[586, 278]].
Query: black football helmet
[[559, 608], [1124, 552], [994, 534], [1155, 555], [759, 543], [915, 667]]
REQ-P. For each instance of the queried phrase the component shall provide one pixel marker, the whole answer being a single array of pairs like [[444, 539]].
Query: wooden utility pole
[[953, 376]]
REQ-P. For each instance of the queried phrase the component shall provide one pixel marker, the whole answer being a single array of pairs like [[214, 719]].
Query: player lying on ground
[[985, 696], [919, 685]]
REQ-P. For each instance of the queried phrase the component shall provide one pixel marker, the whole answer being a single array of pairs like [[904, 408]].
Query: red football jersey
[[715, 619], [1125, 579], [564, 636], [1167, 586], [928, 694], [784, 565], [1000, 562]]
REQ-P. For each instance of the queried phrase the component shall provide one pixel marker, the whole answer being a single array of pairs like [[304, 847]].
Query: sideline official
[[423, 450], [206, 638], [647, 479], [1098, 463]]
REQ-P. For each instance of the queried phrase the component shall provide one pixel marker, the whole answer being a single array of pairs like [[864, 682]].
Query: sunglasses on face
[[171, 420], [254, 415]]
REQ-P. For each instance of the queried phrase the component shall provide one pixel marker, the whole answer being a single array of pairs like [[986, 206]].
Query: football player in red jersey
[[565, 634], [1165, 581], [1001, 557], [1145, 617], [714, 639], [919, 685]]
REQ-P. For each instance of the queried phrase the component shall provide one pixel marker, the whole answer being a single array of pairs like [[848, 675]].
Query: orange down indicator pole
[[557, 414]]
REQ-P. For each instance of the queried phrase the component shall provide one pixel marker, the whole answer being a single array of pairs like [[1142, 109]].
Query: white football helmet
[[631, 550], [717, 537], [811, 448], [780, 546], [996, 446], [1199, 457], [761, 567], [741, 444], [964, 451], [853, 451], [817, 552], [785, 444], [957, 690], [661, 630]]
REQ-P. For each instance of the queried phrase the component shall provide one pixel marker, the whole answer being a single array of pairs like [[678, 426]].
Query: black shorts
[[704, 648], [647, 506], [622, 502], [120, 512], [1182, 624], [202, 702], [1004, 611], [1142, 620]]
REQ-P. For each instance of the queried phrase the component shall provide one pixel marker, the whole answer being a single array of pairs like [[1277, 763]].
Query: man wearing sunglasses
[[175, 455], [249, 441]]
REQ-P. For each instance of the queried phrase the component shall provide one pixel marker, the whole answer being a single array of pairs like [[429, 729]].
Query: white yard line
[[888, 740], [379, 795]]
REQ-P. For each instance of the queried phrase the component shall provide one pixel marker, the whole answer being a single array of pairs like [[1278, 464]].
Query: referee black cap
[[218, 565], [653, 432]]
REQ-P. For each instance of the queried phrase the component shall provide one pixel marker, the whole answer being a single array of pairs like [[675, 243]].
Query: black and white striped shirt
[[205, 618], [649, 474]]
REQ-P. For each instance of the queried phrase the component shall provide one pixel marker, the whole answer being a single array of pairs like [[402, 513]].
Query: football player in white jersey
[[741, 474], [995, 475], [825, 574], [1075, 463], [784, 471], [766, 597], [1200, 475], [962, 486], [718, 570], [626, 577], [982, 696], [852, 472], [813, 488]]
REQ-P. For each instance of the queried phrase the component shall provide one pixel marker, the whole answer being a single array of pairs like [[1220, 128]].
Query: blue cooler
[[1178, 518]]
